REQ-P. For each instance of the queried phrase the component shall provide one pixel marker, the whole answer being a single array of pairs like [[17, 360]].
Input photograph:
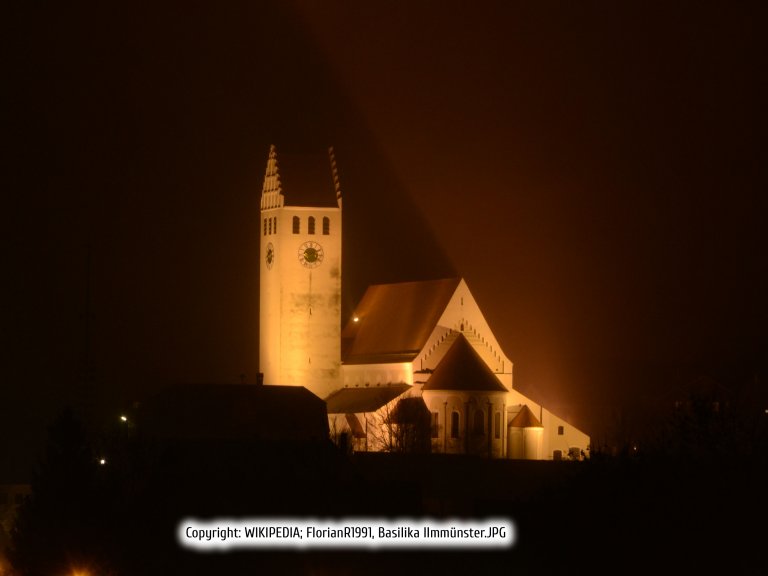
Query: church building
[[416, 368]]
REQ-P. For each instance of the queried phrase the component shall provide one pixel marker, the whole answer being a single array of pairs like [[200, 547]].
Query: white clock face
[[269, 256], [311, 254]]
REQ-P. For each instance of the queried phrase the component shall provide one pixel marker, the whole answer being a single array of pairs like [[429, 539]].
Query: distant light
[[124, 418], [103, 461], [356, 319]]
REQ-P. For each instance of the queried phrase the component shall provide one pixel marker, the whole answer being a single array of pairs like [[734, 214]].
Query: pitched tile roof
[[462, 369], [395, 321], [235, 411], [368, 399], [525, 419]]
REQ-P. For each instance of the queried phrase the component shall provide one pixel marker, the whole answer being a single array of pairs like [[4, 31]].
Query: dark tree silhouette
[[63, 525]]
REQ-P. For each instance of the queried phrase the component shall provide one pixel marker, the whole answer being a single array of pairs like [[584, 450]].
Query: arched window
[[270, 225], [479, 427], [326, 225], [497, 425], [311, 225], [435, 427], [296, 225], [274, 225], [454, 424], [265, 226]]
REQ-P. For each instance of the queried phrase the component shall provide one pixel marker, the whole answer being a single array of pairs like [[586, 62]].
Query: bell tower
[[300, 273]]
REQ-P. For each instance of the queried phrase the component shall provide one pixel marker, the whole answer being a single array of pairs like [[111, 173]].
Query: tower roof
[[462, 369], [395, 321], [303, 179]]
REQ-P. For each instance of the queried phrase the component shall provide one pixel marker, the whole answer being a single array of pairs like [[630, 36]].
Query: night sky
[[593, 170]]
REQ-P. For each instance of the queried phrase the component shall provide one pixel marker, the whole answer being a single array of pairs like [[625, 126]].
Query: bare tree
[[400, 426]]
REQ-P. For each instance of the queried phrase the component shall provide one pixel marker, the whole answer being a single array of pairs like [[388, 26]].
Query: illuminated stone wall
[[300, 292], [360, 375], [460, 428]]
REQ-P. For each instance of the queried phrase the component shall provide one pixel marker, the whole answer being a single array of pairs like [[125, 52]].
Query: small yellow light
[[355, 319], [124, 418], [103, 461]]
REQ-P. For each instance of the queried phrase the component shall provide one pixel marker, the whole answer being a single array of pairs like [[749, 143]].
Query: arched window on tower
[[479, 427], [265, 226], [311, 225], [274, 225], [270, 226], [296, 225], [454, 424], [326, 225]]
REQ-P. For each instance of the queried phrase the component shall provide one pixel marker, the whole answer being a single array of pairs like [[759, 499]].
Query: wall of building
[[561, 436], [463, 408], [300, 304], [358, 375]]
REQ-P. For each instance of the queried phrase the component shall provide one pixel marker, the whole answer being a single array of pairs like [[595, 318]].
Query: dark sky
[[593, 170]]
